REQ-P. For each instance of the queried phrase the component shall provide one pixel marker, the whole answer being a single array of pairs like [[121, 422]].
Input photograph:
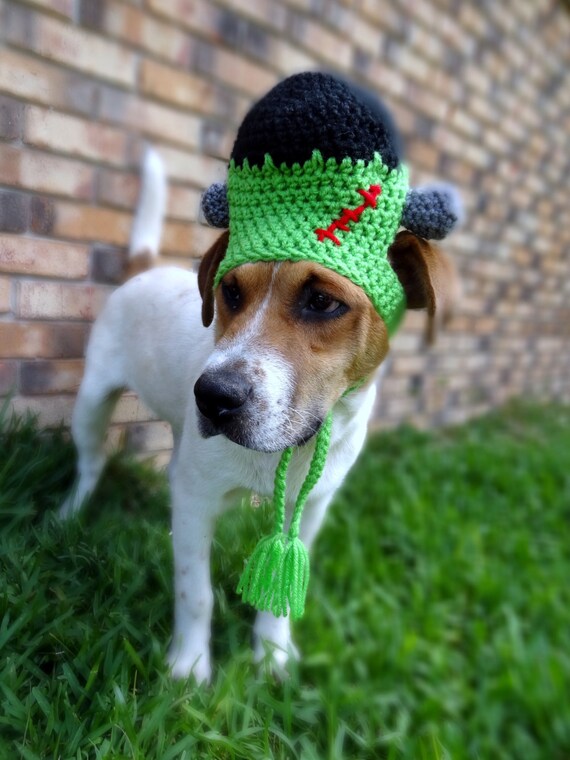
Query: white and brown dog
[[236, 394]]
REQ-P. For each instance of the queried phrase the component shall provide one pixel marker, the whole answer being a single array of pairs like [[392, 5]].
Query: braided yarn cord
[[276, 576]]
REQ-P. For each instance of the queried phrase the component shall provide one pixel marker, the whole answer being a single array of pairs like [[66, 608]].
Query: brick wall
[[481, 94]]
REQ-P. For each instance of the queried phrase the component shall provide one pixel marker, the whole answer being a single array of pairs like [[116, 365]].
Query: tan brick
[[179, 87], [149, 436], [70, 134], [266, 11], [135, 26], [243, 75], [51, 411], [187, 239], [177, 238], [117, 188], [423, 154], [91, 223], [51, 376], [60, 7], [84, 51], [288, 59], [5, 291], [34, 256], [322, 43], [45, 173], [157, 459], [131, 409], [199, 15], [32, 340], [191, 167], [35, 80], [55, 300], [183, 202], [150, 118]]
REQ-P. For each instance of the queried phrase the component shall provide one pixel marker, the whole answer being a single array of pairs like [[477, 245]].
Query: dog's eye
[[232, 295], [319, 305], [323, 303]]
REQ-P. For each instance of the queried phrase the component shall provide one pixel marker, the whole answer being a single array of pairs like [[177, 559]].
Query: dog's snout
[[221, 395]]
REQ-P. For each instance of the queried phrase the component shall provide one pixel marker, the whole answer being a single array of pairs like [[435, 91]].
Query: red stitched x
[[350, 215]]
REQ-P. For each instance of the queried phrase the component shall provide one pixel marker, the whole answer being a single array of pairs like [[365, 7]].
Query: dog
[[286, 342]]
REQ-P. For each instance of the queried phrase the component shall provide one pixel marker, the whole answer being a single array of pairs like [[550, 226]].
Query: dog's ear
[[207, 274], [428, 276]]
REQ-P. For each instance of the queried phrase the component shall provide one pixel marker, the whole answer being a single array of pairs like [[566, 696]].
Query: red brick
[[32, 256], [11, 118], [56, 300], [70, 134], [50, 376], [108, 264], [33, 339], [8, 377], [14, 211]]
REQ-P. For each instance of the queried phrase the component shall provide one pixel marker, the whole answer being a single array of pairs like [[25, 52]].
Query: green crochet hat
[[316, 175]]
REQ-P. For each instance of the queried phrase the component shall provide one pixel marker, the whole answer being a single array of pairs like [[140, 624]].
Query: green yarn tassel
[[276, 576]]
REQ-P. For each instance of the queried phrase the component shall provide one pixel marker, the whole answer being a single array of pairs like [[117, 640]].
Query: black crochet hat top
[[314, 111]]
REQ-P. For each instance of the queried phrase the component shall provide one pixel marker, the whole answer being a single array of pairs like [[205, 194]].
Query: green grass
[[438, 619]]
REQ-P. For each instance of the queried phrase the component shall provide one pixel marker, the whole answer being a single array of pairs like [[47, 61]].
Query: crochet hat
[[316, 175]]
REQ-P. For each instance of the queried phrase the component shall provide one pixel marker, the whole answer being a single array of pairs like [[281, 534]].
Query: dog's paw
[[192, 662], [275, 659], [70, 507]]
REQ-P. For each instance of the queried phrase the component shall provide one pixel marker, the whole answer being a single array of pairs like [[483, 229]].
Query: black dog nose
[[221, 394]]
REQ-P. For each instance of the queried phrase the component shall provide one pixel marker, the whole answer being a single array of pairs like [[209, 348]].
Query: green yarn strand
[[315, 471], [276, 576], [295, 569], [279, 490], [262, 572]]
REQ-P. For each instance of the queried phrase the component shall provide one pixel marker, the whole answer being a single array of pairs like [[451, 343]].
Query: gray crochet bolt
[[432, 211], [215, 205]]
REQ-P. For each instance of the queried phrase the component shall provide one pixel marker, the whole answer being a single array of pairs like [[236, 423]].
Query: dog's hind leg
[[91, 416]]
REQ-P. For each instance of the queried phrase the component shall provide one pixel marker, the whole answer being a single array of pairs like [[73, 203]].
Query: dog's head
[[293, 337]]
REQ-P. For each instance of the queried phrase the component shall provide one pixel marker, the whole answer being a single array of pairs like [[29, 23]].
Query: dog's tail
[[149, 216]]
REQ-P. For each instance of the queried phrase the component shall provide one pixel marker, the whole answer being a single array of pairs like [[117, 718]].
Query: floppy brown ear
[[207, 274], [428, 276]]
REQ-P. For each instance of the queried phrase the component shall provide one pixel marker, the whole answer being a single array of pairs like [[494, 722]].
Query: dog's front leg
[[193, 514], [273, 634]]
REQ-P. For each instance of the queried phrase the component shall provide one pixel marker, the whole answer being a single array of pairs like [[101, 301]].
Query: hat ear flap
[[207, 274], [215, 207], [432, 211]]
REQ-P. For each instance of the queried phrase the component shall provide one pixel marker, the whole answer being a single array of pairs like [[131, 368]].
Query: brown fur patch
[[329, 356], [137, 264]]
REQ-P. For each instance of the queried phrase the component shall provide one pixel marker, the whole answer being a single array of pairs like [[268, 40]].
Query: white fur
[[150, 338], [147, 224]]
